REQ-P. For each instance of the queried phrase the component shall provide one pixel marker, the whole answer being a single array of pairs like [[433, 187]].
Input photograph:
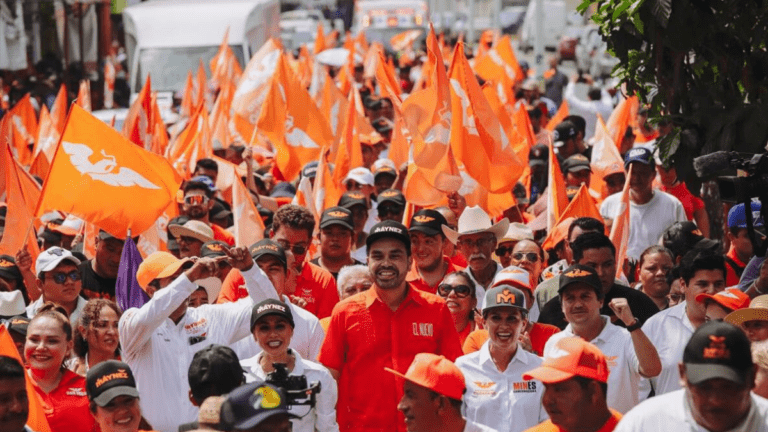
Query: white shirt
[[73, 318], [360, 254], [159, 352], [479, 290], [624, 368], [588, 108], [474, 427], [502, 400], [647, 222], [669, 331], [323, 417], [307, 337], [672, 412]]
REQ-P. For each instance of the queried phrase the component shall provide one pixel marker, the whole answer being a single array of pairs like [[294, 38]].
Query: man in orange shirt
[[427, 244], [575, 379], [385, 326]]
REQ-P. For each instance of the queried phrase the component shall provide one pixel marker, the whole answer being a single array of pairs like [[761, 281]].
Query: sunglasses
[[461, 291], [530, 256], [502, 250], [60, 278], [296, 249], [195, 200]]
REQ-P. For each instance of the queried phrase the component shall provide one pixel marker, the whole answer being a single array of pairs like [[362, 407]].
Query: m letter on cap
[[505, 296]]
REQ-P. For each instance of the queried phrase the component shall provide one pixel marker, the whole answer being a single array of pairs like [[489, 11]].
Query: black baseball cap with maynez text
[[108, 380], [389, 229], [268, 247]]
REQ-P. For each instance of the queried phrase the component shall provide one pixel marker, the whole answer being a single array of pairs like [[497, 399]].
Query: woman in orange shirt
[[458, 290], [61, 391]]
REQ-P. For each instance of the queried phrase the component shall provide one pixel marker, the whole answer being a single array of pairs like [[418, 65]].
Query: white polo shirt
[[672, 412], [159, 352], [479, 290], [502, 400], [669, 331], [616, 343], [323, 416]]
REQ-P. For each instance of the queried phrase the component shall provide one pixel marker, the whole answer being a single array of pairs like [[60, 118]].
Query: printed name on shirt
[[120, 374], [306, 294], [195, 326], [524, 387], [423, 329], [76, 391]]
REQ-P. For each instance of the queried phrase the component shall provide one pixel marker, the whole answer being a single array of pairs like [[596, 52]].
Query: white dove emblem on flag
[[103, 170]]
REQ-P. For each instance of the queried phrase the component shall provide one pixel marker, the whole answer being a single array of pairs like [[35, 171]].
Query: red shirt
[[414, 278], [365, 336], [314, 284], [539, 335], [731, 278], [548, 426], [691, 203], [66, 407]]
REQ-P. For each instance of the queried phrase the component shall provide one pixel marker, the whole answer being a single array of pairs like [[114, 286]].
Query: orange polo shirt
[[414, 278], [548, 426], [66, 407], [540, 334], [314, 284], [365, 336]]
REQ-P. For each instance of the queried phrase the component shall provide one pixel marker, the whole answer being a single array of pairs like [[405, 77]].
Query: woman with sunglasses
[[529, 256], [96, 337], [458, 290], [61, 391], [59, 281]]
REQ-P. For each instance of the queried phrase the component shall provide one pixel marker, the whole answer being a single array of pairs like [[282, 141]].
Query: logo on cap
[[423, 219], [51, 226], [636, 152], [337, 214], [356, 195], [18, 321], [267, 307], [120, 374], [215, 247], [716, 349], [264, 246], [505, 296], [580, 157], [266, 398], [577, 273], [697, 232], [390, 193], [5, 263], [389, 229], [56, 251]]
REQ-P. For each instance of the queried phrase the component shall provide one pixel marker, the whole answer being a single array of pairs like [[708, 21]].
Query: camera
[[297, 389]]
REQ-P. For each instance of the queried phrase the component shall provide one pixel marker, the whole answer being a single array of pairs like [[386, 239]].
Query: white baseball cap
[[52, 257], [361, 175]]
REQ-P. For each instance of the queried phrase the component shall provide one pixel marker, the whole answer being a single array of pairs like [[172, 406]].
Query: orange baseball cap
[[572, 357], [730, 298], [158, 265], [436, 373]]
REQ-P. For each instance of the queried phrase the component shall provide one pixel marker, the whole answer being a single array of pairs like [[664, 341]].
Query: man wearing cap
[[577, 170], [191, 237], [682, 237], [631, 352], [400, 322], [11, 277], [58, 279], [357, 203], [651, 211], [310, 171], [257, 407], [718, 374], [427, 244], [476, 238], [159, 339], [515, 233], [538, 160], [17, 328], [14, 400], [198, 202], [702, 272], [741, 250], [719, 305], [433, 389], [575, 376], [114, 398], [336, 235], [391, 205], [384, 175], [564, 136], [100, 274], [497, 395], [753, 319], [208, 168]]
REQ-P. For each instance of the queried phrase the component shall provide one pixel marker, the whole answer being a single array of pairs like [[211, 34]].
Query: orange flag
[[349, 154], [292, 122], [622, 116], [249, 228], [139, 123], [605, 159], [220, 135], [36, 419], [557, 198], [561, 114], [224, 65], [477, 138], [319, 40], [84, 95], [192, 144], [582, 205], [201, 84], [325, 193], [22, 194], [519, 141], [159, 133], [620, 228], [500, 63], [93, 160], [187, 98], [49, 132], [252, 90], [524, 126], [109, 83], [90, 232], [402, 40], [20, 126], [333, 105]]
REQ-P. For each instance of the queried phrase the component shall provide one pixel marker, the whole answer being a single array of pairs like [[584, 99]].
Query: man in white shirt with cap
[[59, 281]]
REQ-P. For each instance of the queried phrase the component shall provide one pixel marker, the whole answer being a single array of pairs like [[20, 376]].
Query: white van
[[167, 38], [555, 17]]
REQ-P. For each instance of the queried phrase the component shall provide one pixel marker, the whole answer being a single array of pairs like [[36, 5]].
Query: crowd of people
[[379, 315]]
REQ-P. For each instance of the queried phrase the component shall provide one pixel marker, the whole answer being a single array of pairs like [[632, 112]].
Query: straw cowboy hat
[[757, 311], [475, 220], [193, 228]]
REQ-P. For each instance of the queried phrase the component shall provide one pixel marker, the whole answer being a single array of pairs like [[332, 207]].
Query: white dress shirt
[[159, 352], [471, 426], [323, 417], [669, 331], [624, 368], [502, 400]]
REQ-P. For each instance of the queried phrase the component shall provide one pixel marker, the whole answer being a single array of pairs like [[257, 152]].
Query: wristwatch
[[635, 326]]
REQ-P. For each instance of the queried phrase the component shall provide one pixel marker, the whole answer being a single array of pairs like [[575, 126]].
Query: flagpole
[[26, 235]]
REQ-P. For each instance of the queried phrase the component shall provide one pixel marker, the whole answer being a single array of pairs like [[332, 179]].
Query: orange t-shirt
[[540, 334], [548, 426], [314, 284], [221, 234], [414, 278], [731, 278], [66, 408], [365, 336]]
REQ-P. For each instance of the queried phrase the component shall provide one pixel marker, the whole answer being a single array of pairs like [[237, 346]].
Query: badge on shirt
[[484, 388], [197, 339], [423, 329], [76, 391], [524, 387]]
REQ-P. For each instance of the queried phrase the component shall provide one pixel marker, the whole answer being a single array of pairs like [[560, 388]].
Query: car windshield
[[168, 67]]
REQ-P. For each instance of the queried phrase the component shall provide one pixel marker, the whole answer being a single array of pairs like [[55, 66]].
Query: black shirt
[[641, 305], [95, 286]]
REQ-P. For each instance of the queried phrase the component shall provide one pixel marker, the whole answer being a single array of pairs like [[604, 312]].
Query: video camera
[[740, 189], [295, 387]]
